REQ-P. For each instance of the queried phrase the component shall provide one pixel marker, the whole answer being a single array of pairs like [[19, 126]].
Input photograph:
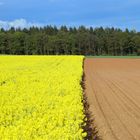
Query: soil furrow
[[112, 88]]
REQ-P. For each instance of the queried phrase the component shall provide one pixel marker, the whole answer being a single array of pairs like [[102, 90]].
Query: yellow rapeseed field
[[41, 98]]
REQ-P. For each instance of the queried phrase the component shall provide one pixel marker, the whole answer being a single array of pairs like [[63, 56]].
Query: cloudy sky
[[107, 13]]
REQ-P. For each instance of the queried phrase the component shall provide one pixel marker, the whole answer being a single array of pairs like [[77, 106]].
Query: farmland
[[41, 98], [113, 92]]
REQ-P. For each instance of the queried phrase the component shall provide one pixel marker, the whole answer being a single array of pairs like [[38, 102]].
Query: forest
[[51, 40]]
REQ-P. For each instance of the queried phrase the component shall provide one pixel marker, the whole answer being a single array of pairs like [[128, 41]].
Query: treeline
[[86, 41]]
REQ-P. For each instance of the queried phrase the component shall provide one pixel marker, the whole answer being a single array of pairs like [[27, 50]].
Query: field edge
[[89, 128]]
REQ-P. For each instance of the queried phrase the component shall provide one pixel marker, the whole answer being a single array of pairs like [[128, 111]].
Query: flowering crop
[[41, 98]]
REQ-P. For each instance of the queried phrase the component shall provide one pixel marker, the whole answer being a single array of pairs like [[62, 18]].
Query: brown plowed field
[[112, 87]]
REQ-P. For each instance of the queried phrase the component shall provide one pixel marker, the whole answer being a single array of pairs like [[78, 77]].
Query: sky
[[107, 13]]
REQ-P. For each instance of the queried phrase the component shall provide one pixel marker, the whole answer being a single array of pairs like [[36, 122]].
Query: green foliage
[[86, 41]]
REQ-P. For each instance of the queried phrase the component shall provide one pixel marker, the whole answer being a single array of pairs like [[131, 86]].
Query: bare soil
[[112, 88]]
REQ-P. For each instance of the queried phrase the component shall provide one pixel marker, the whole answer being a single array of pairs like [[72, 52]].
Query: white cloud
[[18, 23]]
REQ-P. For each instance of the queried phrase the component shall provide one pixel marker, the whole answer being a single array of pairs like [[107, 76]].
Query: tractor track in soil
[[112, 88]]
